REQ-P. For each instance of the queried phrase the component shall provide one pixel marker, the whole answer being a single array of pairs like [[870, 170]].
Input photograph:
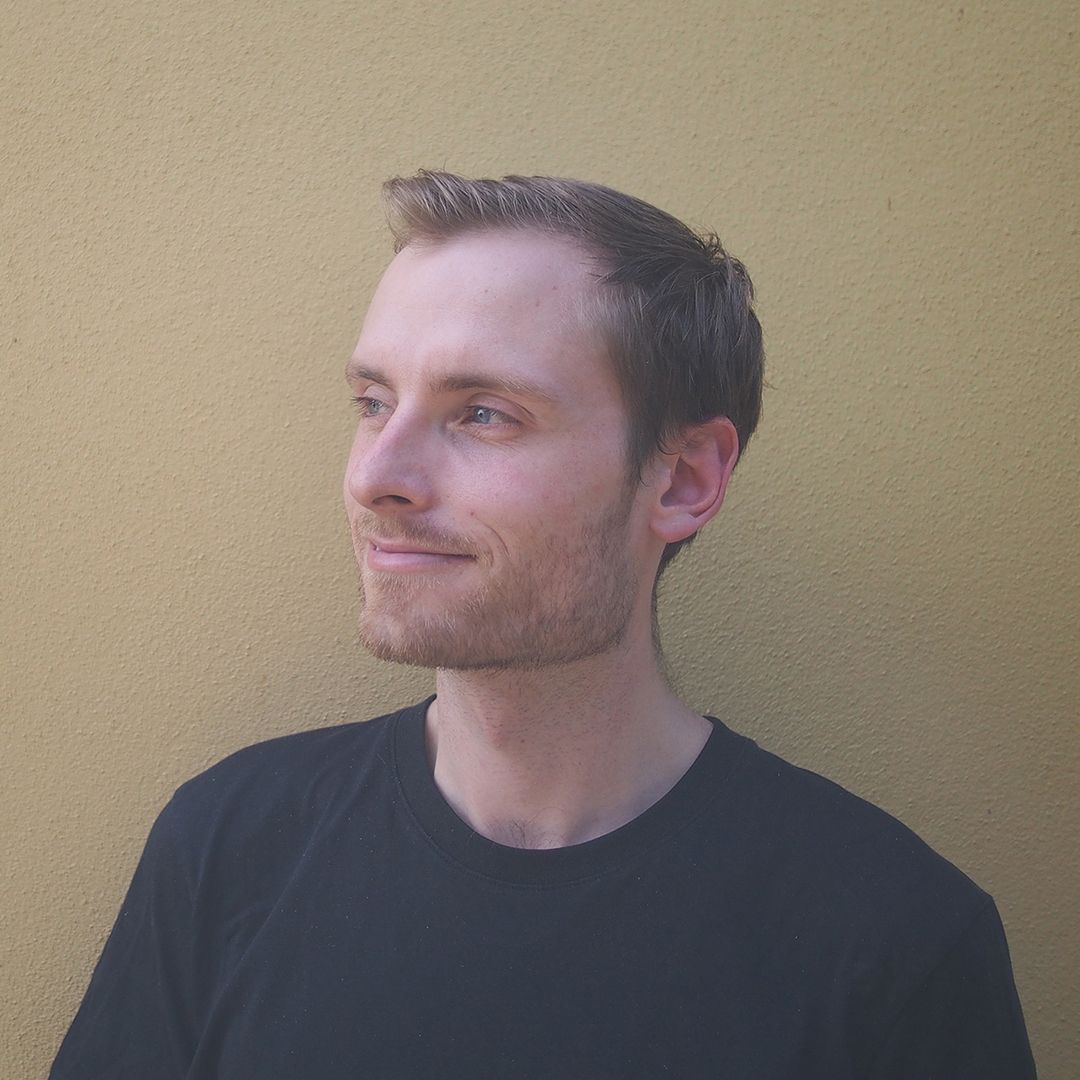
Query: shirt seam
[[985, 905]]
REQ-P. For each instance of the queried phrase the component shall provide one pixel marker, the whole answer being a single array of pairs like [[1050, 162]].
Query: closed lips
[[409, 549]]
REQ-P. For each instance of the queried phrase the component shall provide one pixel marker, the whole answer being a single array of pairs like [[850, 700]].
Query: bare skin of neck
[[550, 758]]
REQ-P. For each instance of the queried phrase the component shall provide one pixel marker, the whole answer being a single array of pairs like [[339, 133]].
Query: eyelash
[[362, 404]]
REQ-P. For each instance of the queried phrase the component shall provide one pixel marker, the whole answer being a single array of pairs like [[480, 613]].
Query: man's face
[[492, 517]]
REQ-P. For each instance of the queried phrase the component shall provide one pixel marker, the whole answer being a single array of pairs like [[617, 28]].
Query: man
[[552, 868]]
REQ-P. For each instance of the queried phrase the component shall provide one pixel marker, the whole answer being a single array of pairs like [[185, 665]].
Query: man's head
[[673, 308], [508, 508]]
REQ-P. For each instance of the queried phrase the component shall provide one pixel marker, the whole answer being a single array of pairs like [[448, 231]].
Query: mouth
[[404, 558]]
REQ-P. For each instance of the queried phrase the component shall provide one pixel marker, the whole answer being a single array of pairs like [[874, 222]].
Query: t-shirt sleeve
[[964, 1021], [139, 1017]]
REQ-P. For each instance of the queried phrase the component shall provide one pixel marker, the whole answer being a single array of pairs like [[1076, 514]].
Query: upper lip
[[400, 547]]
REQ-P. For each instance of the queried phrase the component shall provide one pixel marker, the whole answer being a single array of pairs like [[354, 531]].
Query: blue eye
[[369, 406], [485, 415]]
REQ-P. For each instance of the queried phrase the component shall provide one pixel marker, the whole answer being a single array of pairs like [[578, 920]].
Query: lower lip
[[411, 561]]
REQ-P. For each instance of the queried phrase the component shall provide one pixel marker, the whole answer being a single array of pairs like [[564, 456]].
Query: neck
[[563, 754]]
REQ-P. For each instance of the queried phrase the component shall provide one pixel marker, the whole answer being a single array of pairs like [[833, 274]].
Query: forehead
[[497, 292]]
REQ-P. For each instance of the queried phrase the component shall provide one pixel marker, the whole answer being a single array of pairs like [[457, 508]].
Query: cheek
[[525, 503]]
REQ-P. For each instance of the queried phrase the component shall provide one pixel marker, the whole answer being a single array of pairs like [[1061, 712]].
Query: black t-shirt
[[311, 908]]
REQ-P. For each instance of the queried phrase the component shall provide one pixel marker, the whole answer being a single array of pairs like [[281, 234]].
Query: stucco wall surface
[[190, 228]]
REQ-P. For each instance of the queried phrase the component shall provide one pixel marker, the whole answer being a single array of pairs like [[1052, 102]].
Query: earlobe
[[695, 479]]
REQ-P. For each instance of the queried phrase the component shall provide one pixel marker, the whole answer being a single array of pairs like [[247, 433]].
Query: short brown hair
[[675, 308]]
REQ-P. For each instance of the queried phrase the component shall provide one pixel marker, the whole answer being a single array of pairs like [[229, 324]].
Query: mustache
[[422, 535]]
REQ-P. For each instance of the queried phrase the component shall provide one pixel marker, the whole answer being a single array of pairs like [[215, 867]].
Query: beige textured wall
[[190, 227]]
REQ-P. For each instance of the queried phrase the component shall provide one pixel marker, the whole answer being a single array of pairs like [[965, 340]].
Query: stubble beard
[[571, 600]]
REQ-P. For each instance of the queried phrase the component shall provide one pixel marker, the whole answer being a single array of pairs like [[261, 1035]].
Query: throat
[[527, 835], [576, 778]]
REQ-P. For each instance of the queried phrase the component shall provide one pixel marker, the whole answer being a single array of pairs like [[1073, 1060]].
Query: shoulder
[[882, 929], [278, 788], [845, 863]]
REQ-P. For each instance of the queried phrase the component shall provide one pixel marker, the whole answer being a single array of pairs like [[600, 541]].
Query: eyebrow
[[461, 380]]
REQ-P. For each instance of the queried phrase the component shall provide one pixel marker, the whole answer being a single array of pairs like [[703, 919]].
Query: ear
[[694, 479]]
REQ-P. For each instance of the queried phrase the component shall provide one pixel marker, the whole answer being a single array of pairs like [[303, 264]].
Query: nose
[[391, 469]]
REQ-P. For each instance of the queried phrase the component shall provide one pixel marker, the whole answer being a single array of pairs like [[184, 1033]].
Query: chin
[[468, 647], [397, 644], [397, 641]]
